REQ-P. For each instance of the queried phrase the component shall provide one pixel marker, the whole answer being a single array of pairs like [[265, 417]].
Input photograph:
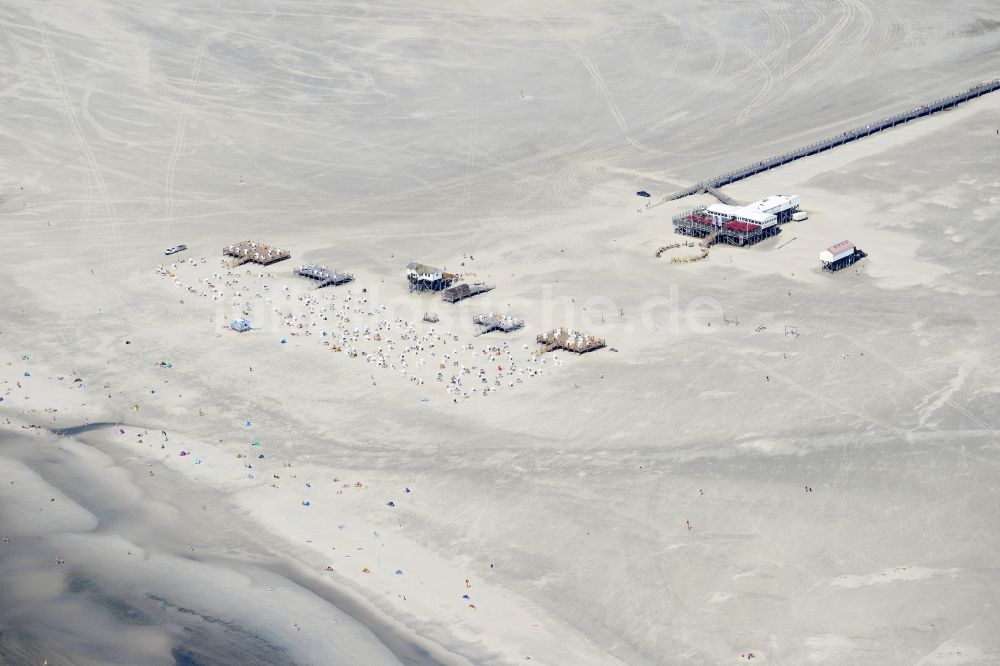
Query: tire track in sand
[[168, 189], [86, 153], [590, 64], [916, 380], [825, 399]]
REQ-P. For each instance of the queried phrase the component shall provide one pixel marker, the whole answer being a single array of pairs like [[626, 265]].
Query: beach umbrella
[[256, 442]]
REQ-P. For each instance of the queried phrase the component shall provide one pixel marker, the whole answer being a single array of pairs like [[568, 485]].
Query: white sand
[[362, 138]]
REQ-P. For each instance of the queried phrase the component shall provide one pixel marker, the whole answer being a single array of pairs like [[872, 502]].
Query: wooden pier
[[936, 106], [574, 341], [720, 195]]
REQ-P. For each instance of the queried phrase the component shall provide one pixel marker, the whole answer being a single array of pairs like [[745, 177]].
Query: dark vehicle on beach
[[642, 193]]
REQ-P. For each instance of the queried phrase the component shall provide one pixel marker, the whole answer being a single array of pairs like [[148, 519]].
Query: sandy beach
[[766, 462]]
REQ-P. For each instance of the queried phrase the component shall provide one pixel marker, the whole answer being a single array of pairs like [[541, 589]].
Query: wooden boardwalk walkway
[[942, 104]]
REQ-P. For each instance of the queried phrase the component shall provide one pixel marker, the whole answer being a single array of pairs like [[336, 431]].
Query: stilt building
[[841, 255], [738, 225], [427, 278]]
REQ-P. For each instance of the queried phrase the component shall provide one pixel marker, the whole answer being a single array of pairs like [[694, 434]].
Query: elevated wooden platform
[[253, 252], [463, 291], [323, 276], [496, 322], [574, 341]]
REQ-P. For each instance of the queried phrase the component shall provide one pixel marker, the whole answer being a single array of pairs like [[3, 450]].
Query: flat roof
[[749, 212], [724, 209], [770, 202]]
